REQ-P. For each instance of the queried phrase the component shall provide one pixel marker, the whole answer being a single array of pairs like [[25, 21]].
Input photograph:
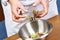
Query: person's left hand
[[45, 4]]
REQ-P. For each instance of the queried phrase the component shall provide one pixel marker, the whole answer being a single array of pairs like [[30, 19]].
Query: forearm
[[45, 4]]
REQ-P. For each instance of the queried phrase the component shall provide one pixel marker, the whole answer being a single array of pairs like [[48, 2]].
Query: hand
[[45, 4], [41, 13], [15, 6]]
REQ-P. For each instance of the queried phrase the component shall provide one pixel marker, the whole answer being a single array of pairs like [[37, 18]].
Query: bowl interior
[[35, 26]]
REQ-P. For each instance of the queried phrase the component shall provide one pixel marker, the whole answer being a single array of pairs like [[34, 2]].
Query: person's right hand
[[15, 6]]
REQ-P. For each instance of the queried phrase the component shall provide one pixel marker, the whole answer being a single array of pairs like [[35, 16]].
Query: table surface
[[54, 35]]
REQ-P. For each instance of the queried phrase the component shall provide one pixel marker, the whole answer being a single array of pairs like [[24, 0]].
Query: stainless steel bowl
[[33, 27]]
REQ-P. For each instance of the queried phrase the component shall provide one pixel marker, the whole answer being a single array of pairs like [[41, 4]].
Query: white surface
[[12, 27], [29, 2]]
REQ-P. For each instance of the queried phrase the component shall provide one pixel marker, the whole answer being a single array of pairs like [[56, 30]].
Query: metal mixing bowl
[[35, 26]]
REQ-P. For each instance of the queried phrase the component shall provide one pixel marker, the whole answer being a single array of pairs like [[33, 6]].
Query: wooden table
[[54, 35], [1, 13]]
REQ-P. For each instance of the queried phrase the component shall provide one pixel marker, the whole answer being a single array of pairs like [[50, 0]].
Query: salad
[[36, 35]]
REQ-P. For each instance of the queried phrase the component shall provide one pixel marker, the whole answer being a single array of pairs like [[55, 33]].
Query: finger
[[36, 3], [40, 12], [43, 14], [22, 7], [16, 20], [15, 12]]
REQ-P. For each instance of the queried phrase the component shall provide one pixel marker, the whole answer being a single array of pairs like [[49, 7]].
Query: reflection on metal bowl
[[35, 26]]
